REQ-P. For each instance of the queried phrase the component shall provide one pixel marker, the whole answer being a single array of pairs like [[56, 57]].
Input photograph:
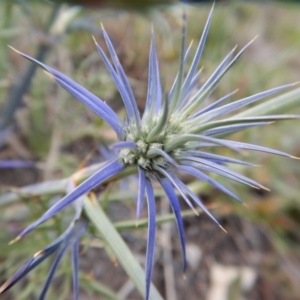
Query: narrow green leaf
[[122, 252]]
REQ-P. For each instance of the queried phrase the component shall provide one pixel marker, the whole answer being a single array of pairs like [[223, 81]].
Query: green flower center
[[145, 155]]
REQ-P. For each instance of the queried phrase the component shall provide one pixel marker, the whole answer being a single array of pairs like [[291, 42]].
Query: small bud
[[141, 146]]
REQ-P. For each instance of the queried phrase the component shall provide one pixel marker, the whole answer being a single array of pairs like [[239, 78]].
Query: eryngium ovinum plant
[[174, 134]]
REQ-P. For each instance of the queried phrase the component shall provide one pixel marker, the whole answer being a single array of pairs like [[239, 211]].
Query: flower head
[[172, 136]]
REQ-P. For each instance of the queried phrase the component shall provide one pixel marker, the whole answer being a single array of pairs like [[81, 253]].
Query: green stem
[[143, 223], [116, 243]]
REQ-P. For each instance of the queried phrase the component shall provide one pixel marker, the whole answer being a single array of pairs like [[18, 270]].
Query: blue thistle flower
[[172, 135]]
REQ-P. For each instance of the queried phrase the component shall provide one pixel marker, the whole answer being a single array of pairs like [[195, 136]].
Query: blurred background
[[259, 258]]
